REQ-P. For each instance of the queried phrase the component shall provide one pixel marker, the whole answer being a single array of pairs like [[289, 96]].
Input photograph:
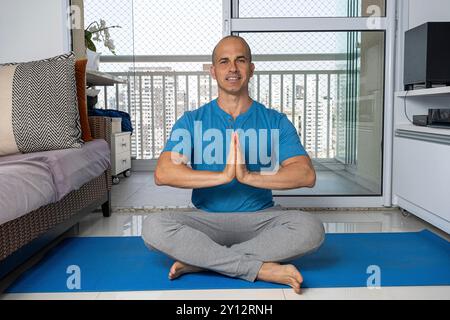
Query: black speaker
[[427, 55], [440, 117], [420, 120]]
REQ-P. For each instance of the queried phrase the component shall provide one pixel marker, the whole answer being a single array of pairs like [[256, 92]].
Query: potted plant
[[97, 32]]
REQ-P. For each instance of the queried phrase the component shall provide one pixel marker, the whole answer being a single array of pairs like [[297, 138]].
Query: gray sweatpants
[[233, 244]]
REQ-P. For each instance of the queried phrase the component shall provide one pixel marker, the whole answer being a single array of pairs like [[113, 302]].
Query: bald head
[[226, 39]]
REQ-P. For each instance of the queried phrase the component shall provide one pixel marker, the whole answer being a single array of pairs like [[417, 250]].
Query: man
[[236, 230]]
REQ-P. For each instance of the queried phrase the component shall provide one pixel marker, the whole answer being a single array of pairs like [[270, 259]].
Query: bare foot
[[180, 268], [284, 274]]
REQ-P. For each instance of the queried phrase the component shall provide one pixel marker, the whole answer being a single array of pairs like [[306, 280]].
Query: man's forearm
[[289, 177], [181, 176]]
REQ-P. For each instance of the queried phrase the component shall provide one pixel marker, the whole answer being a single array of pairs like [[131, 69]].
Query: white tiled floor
[[123, 223], [140, 191]]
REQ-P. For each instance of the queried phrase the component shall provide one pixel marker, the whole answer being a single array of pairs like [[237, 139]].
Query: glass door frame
[[233, 24]]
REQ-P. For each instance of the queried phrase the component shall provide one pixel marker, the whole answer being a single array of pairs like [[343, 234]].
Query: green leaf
[[87, 35], [90, 45]]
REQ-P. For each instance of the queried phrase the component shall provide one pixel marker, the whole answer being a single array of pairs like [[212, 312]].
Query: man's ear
[[252, 69], [212, 71]]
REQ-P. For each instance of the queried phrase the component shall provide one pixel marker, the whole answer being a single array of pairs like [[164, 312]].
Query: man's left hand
[[242, 173]]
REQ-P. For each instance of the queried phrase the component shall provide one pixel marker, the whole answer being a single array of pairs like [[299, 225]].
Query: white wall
[[31, 30], [421, 11]]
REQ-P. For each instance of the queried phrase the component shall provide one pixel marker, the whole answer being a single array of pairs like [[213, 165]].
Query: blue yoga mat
[[344, 260]]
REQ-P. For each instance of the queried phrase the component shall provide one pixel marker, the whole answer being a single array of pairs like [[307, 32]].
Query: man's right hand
[[229, 173], [177, 174]]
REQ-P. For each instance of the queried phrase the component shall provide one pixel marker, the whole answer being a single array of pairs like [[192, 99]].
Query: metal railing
[[155, 100], [314, 100]]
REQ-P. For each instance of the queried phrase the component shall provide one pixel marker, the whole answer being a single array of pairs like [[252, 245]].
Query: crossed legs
[[249, 246]]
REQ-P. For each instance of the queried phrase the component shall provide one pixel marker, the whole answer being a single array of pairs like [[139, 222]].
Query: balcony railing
[[314, 100], [155, 100]]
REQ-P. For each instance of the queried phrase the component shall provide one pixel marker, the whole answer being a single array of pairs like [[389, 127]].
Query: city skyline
[[315, 128]]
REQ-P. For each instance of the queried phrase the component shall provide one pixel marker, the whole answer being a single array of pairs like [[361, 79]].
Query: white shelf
[[98, 78], [413, 128], [423, 92]]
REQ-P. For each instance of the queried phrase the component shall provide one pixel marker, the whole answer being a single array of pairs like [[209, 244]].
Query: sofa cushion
[[38, 104], [35, 179], [80, 74], [26, 186]]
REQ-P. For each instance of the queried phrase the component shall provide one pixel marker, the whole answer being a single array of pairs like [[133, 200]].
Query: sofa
[[28, 233]]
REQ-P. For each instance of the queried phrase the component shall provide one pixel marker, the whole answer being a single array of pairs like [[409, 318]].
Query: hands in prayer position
[[235, 166]]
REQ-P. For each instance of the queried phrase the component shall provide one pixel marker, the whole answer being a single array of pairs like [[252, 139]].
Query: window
[[163, 51], [321, 62], [329, 83], [310, 8]]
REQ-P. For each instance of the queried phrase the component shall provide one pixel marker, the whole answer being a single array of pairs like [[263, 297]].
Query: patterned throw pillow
[[38, 106], [59, 57]]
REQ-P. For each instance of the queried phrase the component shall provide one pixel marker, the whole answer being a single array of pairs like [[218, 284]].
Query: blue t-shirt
[[203, 136]]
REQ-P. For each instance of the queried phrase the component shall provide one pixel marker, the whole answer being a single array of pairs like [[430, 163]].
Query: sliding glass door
[[330, 85], [321, 62]]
